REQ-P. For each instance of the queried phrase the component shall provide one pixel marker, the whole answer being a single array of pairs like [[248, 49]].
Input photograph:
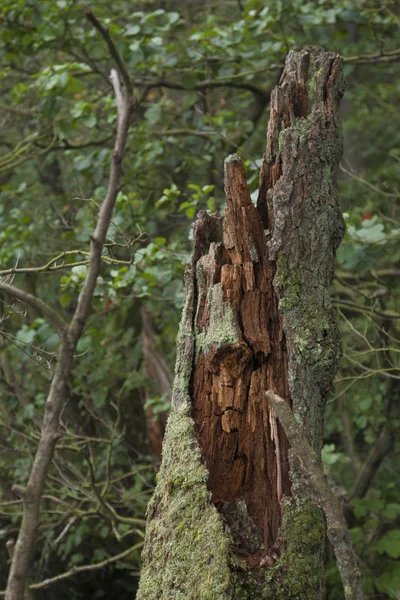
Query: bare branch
[[384, 442], [113, 50], [380, 449], [373, 273], [49, 313], [337, 530], [375, 57], [348, 436], [206, 83], [84, 568], [52, 266], [58, 393], [351, 173], [118, 92]]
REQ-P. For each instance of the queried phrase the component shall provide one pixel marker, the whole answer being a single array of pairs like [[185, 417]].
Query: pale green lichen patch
[[288, 282], [233, 158], [222, 328], [303, 125], [312, 85], [186, 551], [281, 139], [184, 342]]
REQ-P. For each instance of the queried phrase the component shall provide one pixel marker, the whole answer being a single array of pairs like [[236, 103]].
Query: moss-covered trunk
[[230, 517]]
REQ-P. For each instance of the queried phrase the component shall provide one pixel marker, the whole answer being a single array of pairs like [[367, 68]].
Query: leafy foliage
[[203, 73]]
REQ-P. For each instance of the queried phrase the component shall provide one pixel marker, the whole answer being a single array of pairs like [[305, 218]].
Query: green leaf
[[74, 85], [172, 17], [132, 30], [390, 544], [153, 114], [65, 299], [391, 511], [89, 121], [26, 335], [389, 581]]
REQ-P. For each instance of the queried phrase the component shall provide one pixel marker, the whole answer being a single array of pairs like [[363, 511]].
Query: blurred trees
[[202, 74]]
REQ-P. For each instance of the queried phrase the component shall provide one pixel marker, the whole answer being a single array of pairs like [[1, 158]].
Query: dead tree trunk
[[231, 516]]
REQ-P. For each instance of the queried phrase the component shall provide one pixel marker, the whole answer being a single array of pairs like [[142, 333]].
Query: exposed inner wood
[[243, 445]]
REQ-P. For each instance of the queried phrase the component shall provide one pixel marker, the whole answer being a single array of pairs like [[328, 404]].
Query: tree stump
[[231, 517]]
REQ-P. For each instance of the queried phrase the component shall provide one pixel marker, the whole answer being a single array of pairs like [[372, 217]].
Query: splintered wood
[[240, 353]]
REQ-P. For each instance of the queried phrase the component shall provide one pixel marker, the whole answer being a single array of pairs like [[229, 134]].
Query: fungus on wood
[[230, 517]]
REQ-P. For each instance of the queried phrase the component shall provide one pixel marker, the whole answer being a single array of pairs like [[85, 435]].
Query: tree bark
[[231, 517]]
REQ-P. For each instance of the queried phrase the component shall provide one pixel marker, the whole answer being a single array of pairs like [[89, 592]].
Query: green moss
[[289, 283], [297, 575], [303, 534], [186, 553]]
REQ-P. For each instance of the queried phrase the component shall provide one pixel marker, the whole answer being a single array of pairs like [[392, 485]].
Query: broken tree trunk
[[231, 516]]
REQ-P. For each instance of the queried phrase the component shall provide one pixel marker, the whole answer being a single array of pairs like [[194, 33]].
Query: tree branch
[[83, 568], [122, 68], [375, 274], [52, 266], [380, 449], [49, 313], [207, 83], [58, 393], [375, 57], [337, 530], [384, 442], [348, 436]]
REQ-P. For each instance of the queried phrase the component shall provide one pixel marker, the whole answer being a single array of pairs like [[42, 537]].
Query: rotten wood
[[244, 450], [263, 285]]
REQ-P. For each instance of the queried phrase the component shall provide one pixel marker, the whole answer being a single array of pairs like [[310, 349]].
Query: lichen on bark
[[298, 203], [230, 517], [184, 536]]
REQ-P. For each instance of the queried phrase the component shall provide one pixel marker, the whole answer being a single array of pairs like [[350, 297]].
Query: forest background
[[202, 72]]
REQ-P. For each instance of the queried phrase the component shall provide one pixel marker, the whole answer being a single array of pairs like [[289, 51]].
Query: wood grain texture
[[238, 436]]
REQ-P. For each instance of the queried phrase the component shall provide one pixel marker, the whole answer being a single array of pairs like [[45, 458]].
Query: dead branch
[[338, 533], [47, 311]]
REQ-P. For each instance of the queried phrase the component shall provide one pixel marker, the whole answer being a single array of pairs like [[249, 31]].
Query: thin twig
[[375, 57], [113, 50], [83, 568], [47, 311]]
